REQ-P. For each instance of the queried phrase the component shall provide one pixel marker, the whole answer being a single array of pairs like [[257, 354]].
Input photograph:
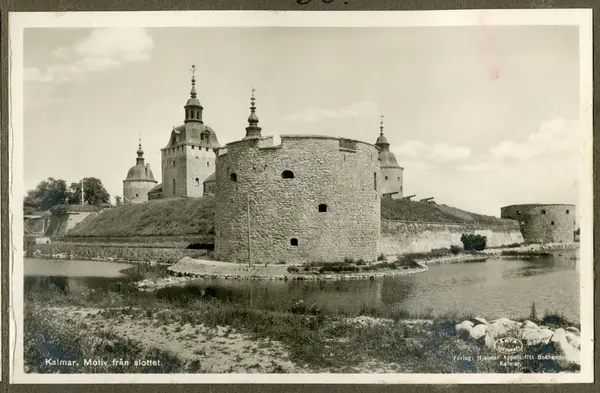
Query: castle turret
[[139, 180], [253, 130], [391, 172], [188, 159], [193, 108]]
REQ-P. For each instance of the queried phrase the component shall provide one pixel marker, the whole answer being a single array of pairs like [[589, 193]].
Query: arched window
[[137, 195], [567, 212], [386, 178], [233, 177], [197, 182], [287, 174], [173, 186], [322, 208], [294, 242], [173, 162], [208, 163], [552, 223], [543, 211]]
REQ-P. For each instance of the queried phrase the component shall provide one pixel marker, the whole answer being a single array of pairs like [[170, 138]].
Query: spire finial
[[253, 130], [381, 124], [140, 152], [193, 91]]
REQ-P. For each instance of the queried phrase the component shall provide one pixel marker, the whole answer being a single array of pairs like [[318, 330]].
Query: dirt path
[[218, 350]]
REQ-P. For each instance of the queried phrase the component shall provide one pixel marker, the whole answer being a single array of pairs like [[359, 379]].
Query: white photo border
[[18, 21]]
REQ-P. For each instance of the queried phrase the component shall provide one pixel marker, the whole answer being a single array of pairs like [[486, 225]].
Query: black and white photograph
[[301, 197]]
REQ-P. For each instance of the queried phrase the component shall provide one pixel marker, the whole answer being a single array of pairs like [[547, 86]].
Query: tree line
[[51, 193]]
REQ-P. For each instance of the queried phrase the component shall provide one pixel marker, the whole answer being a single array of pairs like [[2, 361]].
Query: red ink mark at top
[[495, 73]]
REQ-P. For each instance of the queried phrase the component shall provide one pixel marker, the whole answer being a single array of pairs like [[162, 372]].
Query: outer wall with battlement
[[308, 198], [544, 223]]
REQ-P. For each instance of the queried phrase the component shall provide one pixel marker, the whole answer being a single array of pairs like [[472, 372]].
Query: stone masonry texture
[[343, 175], [184, 169], [552, 223]]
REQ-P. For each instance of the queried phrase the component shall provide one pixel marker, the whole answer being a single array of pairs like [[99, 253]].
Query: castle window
[[322, 208], [543, 211], [173, 186], [375, 181], [567, 212], [552, 223], [197, 182], [233, 177], [173, 162], [294, 242], [287, 174], [398, 178], [208, 164], [386, 178], [192, 147], [136, 195]]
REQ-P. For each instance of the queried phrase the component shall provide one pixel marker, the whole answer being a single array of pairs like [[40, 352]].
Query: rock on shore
[[562, 345]]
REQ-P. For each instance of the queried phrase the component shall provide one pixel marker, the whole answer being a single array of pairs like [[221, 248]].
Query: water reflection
[[496, 287]]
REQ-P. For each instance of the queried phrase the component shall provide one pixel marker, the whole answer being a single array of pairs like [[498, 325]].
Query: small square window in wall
[[294, 242], [552, 223], [543, 211]]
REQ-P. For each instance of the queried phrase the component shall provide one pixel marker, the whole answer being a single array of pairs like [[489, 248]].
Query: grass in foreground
[[323, 341]]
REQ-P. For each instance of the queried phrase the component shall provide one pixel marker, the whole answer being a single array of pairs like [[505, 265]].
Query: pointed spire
[[193, 91], [382, 142], [253, 130], [140, 153]]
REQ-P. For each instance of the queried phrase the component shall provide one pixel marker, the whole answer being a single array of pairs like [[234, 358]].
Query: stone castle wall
[[200, 164], [544, 223], [392, 179], [137, 190], [189, 166], [401, 237], [340, 174]]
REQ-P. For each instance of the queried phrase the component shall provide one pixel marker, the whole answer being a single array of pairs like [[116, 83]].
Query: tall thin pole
[[82, 191], [248, 213]]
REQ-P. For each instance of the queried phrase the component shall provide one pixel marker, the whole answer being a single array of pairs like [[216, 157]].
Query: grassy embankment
[[127, 232], [306, 338]]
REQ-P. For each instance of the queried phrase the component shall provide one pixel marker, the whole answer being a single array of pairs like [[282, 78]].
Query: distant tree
[[48, 193], [94, 192]]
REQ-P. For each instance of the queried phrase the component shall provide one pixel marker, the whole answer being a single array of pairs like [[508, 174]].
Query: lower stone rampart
[[401, 237]]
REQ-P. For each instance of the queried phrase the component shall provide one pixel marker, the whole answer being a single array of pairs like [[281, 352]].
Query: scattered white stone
[[569, 356], [478, 331], [535, 336], [530, 325], [573, 339], [479, 320], [464, 327], [573, 329]]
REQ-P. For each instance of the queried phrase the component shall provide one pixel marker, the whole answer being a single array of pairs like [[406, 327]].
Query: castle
[[189, 158]]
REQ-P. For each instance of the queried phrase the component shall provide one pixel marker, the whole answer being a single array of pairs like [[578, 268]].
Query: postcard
[[301, 197]]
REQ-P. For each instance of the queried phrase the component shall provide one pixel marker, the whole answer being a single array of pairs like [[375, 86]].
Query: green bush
[[455, 250], [472, 242], [293, 269]]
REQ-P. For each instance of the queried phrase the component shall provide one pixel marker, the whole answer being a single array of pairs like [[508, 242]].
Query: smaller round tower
[[391, 172], [139, 180]]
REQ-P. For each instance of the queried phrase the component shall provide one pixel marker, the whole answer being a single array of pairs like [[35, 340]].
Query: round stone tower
[[139, 180], [296, 199], [391, 172], [544, 223]]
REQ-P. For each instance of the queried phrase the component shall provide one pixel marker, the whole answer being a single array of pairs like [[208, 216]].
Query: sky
[[479, 117]]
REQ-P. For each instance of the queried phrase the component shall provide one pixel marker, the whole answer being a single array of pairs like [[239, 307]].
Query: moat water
[[494, 288]]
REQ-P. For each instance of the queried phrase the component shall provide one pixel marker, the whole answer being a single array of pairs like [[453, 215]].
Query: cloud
[[102, 49], [556, 135], [485, 166], [438, 152], [313, 114]]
